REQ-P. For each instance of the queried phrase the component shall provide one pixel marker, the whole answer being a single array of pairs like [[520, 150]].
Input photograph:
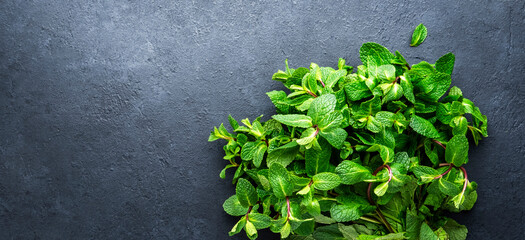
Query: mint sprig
[[378, 153]]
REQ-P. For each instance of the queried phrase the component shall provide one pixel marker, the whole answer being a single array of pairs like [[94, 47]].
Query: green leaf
[[326, 181], [408, 89], [297, 76], [391, 92], [323, 219], [307, 136], [283, 155], [248, 150], [280, 76], [223, 172], [445, 64], [246, 193], [457, 150], [370, 107], [434, 86], [423, 127], [424, 173], [448, 188], [294, 120], [233, 207], [233, 122], [250, 229], [277, 97], [357, 90], [334, 77], [260, 221], [353, 231], [280, 181], [259, 154], [345, 213], [380, 190], [459, 125], [455, 230], [322, 106], [330, 232], [427, 233], [391, 236], [285, 231], [386, 153], [441, 234], [317, 161], [352, 173], [419, 35], [238, 227], [373, 54], [335, 137], [386, 73], [331, 121], [420, 71]]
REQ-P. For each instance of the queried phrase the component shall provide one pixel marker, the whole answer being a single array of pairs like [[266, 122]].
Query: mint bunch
[[373, 154]]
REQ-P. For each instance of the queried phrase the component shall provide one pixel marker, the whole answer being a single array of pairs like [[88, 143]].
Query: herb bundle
[[373, 154]]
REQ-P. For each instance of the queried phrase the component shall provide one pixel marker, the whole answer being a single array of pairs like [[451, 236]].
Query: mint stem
[[288, 206], [466, 179], [373, 174], [378, 211], [249, 210], [312, 94], [439, 143], [445, 173]]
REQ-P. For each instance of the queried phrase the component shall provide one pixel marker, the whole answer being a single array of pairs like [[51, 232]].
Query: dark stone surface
[[106, 106]]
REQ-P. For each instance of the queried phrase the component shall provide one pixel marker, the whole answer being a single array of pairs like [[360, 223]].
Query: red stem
[[466, 179], [445, 173], [439, 143], [311, 93], [249, 210], [288, 206], [373, 174], [378, 211]]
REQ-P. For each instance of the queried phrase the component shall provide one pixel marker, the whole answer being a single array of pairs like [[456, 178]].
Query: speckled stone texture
[[106, 106]]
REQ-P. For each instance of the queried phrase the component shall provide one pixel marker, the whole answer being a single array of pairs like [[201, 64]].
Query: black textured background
[[106, 106]]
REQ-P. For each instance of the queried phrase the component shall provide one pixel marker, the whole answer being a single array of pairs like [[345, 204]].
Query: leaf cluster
[[375, 153]]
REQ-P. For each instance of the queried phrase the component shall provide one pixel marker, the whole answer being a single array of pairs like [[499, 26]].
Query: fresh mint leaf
[[321, 107], [434, 86], [423, 127], [448, 188], [317, 161], [280, 181], [455, 230], [331, 121], [445, 64], [238, 227], [427, 233], [419, 35], [357, 90], [373, 54], [326, 181], [457, 150], [283, 155], [294, 120], [335, 137], [246, 193], [233, 207], [352, 173], [380, 190], [260, 221], [307, 136]]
